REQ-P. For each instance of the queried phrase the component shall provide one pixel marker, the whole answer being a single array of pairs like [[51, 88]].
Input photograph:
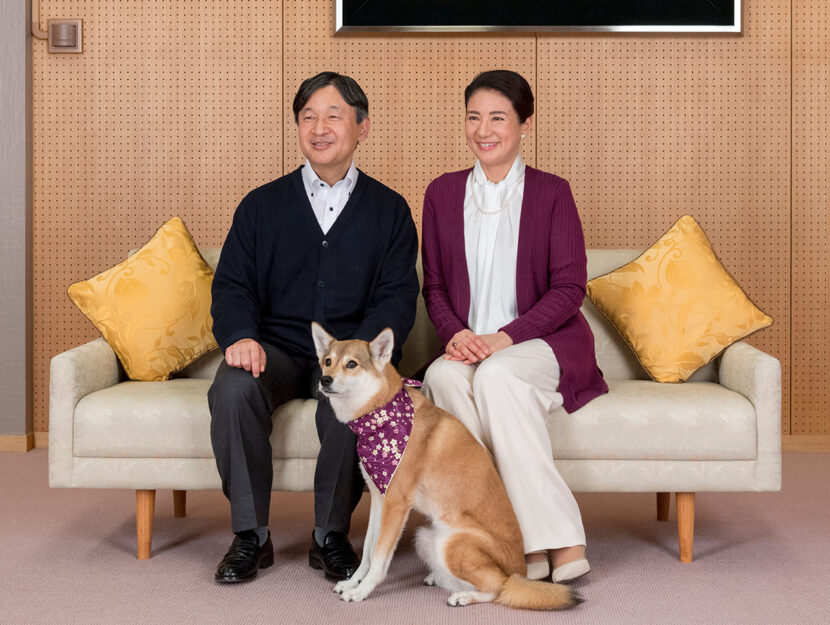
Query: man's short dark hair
[[348, 88], [510, 84]]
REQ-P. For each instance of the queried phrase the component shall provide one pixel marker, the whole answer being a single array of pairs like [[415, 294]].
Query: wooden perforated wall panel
[[810, 212], [179, 108], [172, 109]]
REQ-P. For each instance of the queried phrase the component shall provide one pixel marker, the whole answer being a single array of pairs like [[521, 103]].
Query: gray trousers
[[241, 407]]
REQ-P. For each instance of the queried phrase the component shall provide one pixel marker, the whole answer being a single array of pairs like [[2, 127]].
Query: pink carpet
[[67, 556]]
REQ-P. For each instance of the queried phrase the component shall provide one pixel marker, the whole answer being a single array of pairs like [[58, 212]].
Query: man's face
[[329, 132]]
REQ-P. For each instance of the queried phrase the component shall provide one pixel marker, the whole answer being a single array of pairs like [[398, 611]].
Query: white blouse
[[491, 233]]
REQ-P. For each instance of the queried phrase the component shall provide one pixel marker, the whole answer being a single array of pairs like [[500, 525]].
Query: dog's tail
[[520, 592]]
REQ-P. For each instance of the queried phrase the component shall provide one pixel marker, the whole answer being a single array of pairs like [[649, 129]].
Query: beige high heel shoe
[[538, 570], [569, 571]]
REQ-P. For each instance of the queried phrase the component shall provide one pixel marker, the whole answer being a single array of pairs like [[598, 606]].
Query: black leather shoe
[[336, 557], [245, 558]]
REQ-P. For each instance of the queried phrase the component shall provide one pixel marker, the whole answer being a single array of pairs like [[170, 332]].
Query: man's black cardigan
[[278, 272]]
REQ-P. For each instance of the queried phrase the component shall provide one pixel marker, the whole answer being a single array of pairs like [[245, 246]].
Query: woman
[[504, 277]]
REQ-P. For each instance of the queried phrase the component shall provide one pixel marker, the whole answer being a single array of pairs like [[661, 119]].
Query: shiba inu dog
[[415, 455]]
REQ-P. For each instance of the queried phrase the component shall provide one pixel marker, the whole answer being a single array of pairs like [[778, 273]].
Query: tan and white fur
[[474, 546]]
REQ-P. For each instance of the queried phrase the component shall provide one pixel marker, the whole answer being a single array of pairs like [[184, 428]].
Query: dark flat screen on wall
[[538, 15]]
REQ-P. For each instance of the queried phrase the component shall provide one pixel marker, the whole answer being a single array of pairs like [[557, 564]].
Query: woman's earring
[[523, 136]]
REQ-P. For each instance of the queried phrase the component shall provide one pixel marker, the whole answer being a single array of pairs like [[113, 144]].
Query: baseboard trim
[[21, 443], [805, 442], [41, 439]]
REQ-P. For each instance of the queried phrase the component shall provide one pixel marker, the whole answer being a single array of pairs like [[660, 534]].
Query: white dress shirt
[[328, 202], [491, 236]]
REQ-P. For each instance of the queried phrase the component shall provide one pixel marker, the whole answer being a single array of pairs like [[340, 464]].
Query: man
[[325, 243]]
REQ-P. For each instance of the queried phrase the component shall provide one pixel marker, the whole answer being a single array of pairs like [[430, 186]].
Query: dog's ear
[[381, 347], [322, 339]]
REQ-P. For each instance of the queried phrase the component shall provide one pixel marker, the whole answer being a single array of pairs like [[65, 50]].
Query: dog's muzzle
[[325, 385]]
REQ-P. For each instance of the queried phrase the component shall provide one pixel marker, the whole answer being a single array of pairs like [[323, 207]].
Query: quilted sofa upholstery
[[720, 431]]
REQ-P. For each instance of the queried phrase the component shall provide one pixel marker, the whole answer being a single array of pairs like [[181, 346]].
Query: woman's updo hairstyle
[[510, 84]]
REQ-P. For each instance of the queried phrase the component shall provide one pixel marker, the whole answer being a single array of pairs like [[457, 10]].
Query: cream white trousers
[[503, 401]]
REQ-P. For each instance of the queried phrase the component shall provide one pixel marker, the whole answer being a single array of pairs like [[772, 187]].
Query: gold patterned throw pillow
[[154, 307], [675, 305]]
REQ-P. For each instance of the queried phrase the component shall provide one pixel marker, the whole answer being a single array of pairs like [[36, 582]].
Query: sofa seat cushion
[[644, 420], [636, 420], [171, 419]]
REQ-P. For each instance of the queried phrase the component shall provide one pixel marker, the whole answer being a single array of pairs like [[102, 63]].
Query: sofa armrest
[[72, 375], [757, 376]]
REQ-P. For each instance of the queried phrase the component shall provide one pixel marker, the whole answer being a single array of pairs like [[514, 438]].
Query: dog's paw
[[355, 594], [458, 599], [468, 597], [429, 580], [462, 598], [346, 584]]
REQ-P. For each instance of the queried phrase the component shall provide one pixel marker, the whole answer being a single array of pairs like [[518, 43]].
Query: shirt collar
[[312, 180], [480, 178]]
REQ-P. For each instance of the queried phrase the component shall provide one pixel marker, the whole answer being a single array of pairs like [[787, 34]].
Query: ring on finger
[[454, 344]]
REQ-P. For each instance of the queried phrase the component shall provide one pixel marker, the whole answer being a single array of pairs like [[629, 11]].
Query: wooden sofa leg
[[686, 524], [145, 503], [179, 503], [663, 502]]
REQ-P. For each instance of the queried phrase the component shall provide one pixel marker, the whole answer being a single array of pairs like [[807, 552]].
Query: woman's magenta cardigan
[[550, 275]]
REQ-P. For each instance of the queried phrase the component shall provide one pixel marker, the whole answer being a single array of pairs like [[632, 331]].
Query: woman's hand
[[497, 341], [466, 347]]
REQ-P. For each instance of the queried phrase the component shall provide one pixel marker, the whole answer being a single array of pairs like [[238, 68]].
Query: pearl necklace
[[504, 204]]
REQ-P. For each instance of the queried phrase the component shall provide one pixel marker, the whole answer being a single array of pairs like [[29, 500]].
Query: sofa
[[719, 431]]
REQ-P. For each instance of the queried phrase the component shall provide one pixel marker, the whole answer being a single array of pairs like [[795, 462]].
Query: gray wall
[[15, 218]]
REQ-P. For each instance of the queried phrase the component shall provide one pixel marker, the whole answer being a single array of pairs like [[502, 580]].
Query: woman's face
[[494, 132]]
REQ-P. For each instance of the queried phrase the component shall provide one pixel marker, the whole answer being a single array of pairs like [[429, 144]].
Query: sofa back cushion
[[615, 358]]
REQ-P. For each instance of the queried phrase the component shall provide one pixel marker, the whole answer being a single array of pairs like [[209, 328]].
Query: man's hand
[[248, 354]]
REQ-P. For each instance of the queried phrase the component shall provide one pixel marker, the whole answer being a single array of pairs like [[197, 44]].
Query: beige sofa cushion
[[171, 420], [638, 420], [645, 420], [614, 357]]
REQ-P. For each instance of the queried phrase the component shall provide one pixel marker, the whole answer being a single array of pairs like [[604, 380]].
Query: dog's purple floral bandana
[[382, 435]]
